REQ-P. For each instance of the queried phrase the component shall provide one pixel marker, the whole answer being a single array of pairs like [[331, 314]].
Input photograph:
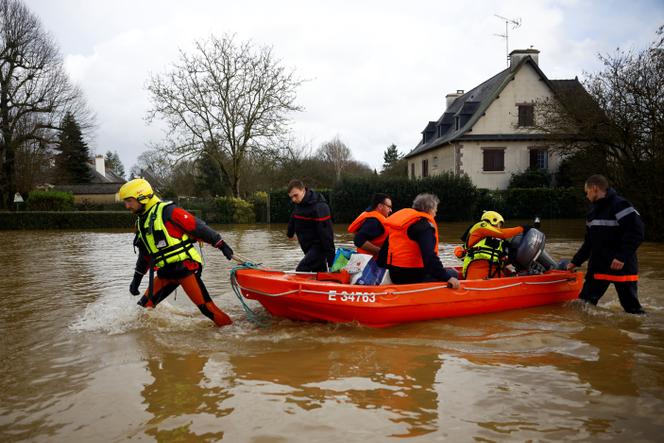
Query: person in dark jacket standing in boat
[[165, 238], [311, 221], [614, 231]]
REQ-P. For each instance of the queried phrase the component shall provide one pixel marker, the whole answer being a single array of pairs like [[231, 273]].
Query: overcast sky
[[377, 71]]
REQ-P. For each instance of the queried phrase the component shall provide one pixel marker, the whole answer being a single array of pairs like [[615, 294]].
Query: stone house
[[489, 132]]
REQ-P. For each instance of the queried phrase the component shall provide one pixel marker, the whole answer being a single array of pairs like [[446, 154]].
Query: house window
[[425, 168], [412, 170], [539, 159], [456, 123], [494, 159], [435, 162], [526, 115]]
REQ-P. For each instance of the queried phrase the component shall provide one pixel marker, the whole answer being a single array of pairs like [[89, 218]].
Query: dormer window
[[456, 123], [526, 115]]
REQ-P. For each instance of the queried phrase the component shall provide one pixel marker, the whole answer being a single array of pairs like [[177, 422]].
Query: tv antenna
[[515, 22]]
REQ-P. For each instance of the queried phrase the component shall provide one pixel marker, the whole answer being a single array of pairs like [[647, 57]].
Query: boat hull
[[299, 297]]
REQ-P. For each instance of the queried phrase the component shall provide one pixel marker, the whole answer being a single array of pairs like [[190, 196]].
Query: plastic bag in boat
[[356, 263], [372, 274], [341, 259]]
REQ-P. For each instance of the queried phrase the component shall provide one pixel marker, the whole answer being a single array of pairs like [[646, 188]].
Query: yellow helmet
[[492, 217], [139, 188]]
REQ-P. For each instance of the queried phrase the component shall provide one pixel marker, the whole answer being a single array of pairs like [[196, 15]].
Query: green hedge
[[526, 203], [49, 201], [352, 196], [259, 200], [66, 220], [459, 199], [233, 210]]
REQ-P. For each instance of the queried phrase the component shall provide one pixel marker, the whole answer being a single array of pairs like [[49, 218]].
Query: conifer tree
[[72, 158], [390, 156], [114, 163]]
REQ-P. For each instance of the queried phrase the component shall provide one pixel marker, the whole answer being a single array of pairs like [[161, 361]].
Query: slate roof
[[90, 188], [470, 106], [110, 184]]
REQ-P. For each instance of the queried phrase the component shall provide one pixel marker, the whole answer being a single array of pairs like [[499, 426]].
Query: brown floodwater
[[81, 362]]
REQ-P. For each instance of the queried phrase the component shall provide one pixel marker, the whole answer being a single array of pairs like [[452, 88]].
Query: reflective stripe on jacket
[[359, 221], [614, 230], [402, 251], [162, 247]]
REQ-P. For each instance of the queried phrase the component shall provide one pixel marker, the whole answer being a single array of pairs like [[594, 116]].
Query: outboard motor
[[527, 252]]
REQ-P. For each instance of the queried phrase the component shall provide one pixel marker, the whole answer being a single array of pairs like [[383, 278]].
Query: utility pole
[[516, 22]]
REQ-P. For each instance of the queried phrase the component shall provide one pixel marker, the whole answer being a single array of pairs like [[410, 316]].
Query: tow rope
[[257, 319]]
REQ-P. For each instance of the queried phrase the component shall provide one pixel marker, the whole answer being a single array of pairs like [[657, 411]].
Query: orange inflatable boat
[[305, 297]]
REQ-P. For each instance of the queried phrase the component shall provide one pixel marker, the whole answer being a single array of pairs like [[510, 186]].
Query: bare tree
[[337, 154], [617, 126], [35, 92], [225, 98], [155, 166]]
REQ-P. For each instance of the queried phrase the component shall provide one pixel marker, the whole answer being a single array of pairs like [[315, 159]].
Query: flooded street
[[81, 362]]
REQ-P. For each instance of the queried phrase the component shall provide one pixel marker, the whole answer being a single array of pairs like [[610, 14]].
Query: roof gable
[[469, 107]]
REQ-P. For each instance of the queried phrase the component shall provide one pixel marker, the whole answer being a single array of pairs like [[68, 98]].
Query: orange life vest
[[404, 252], [359, 221]]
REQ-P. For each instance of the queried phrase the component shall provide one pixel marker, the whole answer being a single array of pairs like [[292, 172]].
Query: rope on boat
[[251, 315], [235, 285]]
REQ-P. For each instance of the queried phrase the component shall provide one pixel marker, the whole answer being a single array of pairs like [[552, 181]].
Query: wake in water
[[114, 314]]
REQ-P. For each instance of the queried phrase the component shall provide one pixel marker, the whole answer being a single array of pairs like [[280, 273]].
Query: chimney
[[100, 165], [518, 54], [449, 98]]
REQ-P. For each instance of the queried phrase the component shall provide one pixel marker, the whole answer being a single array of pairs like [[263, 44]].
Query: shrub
[[531, 178], [456, 193], [234, 210], [259, 201], [50, 201]]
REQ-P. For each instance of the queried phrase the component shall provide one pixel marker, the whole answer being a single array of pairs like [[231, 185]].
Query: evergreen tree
[[210, 178], [113, 162], [390, 156], [72, 159]]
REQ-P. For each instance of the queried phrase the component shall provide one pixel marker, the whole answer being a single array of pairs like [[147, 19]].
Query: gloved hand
[[225, 249], [526, 228], [135, 283]]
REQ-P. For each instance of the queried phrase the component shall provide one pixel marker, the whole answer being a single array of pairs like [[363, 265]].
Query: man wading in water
[[165, 237]]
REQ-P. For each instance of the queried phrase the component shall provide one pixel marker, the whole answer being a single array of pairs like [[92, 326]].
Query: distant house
[[488, 132], [101, 190]]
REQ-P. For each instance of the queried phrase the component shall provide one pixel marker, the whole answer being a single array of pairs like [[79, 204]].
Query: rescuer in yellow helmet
[[484, 251], [165, 238]]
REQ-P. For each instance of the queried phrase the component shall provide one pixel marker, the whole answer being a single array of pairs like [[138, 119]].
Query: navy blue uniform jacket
[[613, 230]]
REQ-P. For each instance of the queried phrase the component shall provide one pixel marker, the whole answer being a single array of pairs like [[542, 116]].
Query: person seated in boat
[[311, 221], [369, 227], [484, 252], [411, 249]]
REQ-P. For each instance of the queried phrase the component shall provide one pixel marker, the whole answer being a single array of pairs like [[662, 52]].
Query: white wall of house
[[517, 159], [502, 115]]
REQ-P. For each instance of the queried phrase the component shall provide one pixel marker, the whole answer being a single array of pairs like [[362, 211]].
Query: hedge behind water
[[66, 220], [459, 199], [456, 194], [527, 203]]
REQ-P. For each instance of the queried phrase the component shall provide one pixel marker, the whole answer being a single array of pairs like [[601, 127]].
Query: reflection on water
[[81, 362]]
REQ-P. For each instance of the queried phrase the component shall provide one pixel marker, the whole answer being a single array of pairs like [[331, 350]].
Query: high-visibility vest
[[404, 252], [163, 248], [359, 221], [488, 248]]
